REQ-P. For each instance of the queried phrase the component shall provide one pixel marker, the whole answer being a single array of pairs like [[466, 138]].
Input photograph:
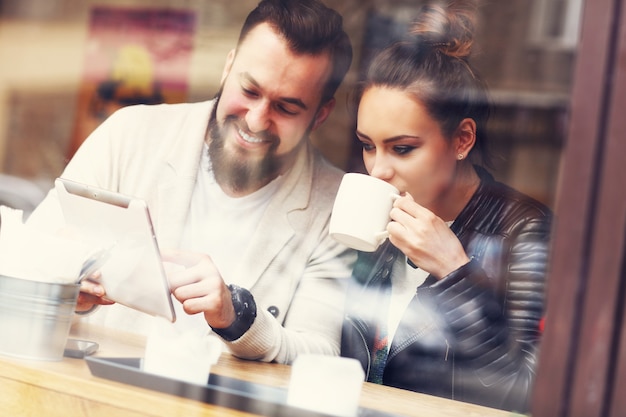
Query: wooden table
[[67, 388]]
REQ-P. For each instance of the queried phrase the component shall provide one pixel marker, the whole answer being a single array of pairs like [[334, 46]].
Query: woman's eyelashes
[[403, 149], [367, 147], [397, 149]]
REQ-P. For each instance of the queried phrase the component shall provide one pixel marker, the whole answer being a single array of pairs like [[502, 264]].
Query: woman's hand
[[425, 238], [198, 285]]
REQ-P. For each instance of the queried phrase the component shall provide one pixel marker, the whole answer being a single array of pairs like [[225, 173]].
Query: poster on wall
[[133, 56]]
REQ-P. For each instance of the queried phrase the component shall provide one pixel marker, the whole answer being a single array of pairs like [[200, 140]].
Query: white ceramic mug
[[361, 211]]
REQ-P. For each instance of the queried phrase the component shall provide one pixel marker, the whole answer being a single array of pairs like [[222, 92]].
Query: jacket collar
[[178, 175]]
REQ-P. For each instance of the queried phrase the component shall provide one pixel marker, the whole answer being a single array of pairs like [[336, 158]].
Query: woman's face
[[404, 145]]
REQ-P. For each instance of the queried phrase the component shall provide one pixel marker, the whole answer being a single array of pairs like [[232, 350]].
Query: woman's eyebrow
[[387, 140]]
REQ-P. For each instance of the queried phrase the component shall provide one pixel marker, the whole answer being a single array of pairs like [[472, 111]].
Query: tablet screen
[[120, 228]]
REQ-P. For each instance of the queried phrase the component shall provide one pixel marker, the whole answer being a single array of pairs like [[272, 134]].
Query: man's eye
[[281, 108], [249, 93]]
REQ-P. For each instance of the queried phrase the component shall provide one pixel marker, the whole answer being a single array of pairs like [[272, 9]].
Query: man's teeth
[[248, 138]]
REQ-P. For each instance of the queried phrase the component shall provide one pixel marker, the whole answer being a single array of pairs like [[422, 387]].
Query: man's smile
[[249, 138]]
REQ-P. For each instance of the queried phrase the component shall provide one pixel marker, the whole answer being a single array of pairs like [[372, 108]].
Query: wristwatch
[[245, 310]]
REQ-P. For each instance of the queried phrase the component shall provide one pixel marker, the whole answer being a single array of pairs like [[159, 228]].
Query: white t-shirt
[[404, 281], [219, 225]]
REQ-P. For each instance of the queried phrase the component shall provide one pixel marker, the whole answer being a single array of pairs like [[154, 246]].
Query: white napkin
[[28, 253], [179, 353]]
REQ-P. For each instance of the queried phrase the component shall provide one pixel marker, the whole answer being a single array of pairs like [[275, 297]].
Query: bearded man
[[239, 197]]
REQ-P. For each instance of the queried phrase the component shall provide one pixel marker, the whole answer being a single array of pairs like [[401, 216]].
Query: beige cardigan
[[292, 264]]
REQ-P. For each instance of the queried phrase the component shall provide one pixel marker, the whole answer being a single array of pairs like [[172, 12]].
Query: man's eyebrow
[[290, 100]]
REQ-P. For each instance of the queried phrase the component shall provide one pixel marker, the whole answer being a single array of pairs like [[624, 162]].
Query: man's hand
[[199, 287], [91, 293]]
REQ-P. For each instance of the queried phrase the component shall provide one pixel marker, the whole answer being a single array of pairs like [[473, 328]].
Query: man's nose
[[258, 117]]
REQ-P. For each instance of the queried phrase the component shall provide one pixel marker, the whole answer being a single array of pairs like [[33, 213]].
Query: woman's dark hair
[[432, 65], [309, 27]]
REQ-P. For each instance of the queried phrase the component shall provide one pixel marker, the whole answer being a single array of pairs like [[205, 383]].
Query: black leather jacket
[[473, 335]]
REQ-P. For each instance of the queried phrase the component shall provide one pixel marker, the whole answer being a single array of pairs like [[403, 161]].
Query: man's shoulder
[[157, 112], [140, 133], [143, 125], [325, 181], [325, 172]]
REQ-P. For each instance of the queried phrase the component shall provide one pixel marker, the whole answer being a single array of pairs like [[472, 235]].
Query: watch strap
[[245, 311]]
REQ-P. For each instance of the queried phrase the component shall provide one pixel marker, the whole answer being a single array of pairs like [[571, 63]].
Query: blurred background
[[65, 65]]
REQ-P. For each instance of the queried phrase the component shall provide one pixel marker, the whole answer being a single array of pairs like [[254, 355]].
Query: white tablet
[[119, 227]]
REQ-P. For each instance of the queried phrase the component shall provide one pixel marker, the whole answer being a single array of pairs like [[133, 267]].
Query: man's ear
[[323, 113], [465, 137], [230, 58]]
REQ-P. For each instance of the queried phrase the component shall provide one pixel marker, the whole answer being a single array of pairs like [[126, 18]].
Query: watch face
[[245, 309]]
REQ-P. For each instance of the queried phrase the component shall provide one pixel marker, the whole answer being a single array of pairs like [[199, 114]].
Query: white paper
[[28, 253]]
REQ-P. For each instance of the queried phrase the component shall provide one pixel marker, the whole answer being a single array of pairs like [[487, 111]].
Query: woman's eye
[[367, 146], [402, 150]]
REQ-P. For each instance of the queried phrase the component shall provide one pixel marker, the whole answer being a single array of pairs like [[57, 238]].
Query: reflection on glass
[[524, 52]]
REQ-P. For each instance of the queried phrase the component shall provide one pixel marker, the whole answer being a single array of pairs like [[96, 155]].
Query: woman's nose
[[257, 117], [381, 168]]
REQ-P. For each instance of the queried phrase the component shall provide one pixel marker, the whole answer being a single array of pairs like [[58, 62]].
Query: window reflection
[[529, 78], [554, 24], [526, 55]]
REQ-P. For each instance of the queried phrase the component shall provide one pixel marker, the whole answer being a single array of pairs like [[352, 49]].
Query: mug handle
[[380, 236]]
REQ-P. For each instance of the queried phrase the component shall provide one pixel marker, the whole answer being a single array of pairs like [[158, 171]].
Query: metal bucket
[[35, 317]]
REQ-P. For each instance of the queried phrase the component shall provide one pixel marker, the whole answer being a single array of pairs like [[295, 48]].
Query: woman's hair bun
[[447, 26]]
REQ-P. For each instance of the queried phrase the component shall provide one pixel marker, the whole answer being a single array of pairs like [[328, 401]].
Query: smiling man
[[271, 99], [237, 191]]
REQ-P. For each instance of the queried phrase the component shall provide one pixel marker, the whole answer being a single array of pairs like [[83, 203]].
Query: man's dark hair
[[309, 27]]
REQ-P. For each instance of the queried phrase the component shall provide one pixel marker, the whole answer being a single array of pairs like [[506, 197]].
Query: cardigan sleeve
[[314, 317]]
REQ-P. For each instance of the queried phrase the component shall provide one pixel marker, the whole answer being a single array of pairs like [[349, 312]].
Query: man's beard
[[235, 171]]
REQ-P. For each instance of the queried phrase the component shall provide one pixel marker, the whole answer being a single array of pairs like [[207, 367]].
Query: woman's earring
[[460, 156]]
